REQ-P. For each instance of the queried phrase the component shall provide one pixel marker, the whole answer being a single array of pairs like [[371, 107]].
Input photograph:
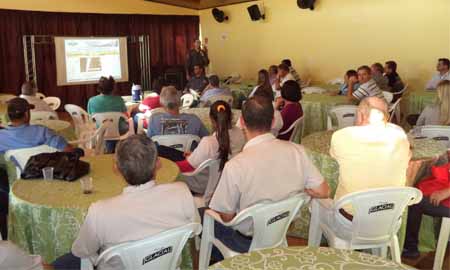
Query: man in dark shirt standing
[[197, 56]]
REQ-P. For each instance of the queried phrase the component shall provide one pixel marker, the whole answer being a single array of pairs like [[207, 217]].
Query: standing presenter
[[196, 56]]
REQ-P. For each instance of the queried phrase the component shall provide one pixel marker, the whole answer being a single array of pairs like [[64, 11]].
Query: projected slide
[[85, 60]]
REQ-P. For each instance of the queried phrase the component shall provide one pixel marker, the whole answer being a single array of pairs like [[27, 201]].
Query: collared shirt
[[382, 82], [26, 136], [183, 123], [276, 126], [267, 170], [295, 75], [368, 89], [431, 115], [139, 212], [370, 157], [197, 83], [209, 147], [108, 103], [214, 92], [436, 79], [39, 104]]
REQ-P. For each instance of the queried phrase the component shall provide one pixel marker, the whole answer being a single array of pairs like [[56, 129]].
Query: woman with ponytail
[[224, 143]]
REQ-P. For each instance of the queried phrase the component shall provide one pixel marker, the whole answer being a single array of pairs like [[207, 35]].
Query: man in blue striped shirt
[[368, 87]]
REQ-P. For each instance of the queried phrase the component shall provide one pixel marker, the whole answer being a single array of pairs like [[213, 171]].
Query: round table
[[203, 114], [317, 146], [63, 128], [45, 216], [416, 101], [3, 114], [307, 258]]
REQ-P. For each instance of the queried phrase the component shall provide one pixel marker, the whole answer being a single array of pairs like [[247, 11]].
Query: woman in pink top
[[289, 106]]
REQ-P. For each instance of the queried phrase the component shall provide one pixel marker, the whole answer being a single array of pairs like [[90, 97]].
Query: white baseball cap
[[13, 258]]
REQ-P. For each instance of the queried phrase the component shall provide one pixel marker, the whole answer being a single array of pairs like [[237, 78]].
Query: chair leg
[[315, 232], [442, 244], [206, 242], [395, 250]]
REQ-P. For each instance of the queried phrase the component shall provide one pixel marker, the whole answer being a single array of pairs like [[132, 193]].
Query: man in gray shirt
[[198, 82]]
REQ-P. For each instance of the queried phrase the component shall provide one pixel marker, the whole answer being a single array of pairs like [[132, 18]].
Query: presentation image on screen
[[85, 60]]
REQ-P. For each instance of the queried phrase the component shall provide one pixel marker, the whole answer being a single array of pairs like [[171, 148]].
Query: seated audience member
[[198, 82], [254, 175], [106, 102], [144, 208], [292, 70], [367, 86], [443, 68], [372, 142], [263, 83], [20, 134], [13, 258], [283, 76], [273, 75], [289, 106], [28, 92], [377, 71], [213, 89], [226, 142], [394, 81], [349, 75], [435, 203], [439, 113], [172, 121], [149, 103]]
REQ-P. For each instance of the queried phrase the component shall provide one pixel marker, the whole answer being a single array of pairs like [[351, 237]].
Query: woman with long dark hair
[[263, 84], [226, 141]]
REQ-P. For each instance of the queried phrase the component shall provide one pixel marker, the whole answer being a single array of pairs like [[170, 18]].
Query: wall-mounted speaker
[[305, 4], [256, 13], [219, 15]]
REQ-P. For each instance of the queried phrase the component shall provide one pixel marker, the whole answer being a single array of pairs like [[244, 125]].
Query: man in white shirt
[[267, 169], [29, 94], [143, 209], [443, 68], [283, 76], [367, 88]]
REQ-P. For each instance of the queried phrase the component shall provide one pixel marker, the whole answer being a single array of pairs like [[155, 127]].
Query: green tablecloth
[[307, 258], [45, 216], [318, 145], [3, 114], [415, 101], [240, 92], [203, 114]]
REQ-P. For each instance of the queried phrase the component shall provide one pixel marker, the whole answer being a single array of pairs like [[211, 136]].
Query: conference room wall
[[336, 36], [97, 6]]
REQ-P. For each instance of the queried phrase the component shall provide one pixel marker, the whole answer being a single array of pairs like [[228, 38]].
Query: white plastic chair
[[442, 244], [40, 95], [181, 142], [89, 140], [345, 115], [81, 119], [388, 96], [394, 110], [162, 251], [186, 101], [228, 99], [437, 132], [377, 216], [112, 131], [5, 98], [212, 165], [270, 223], [53, 102], [42, 116], [401, 91], [296, 127]]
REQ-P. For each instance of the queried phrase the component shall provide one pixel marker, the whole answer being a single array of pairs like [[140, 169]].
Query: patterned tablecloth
[[45, 216], [415, 101], [63, 128], [318, 145], [307, 258], [203, 114], [240, 92]]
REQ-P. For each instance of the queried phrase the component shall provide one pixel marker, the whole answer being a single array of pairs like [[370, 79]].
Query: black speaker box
[[255, 13]]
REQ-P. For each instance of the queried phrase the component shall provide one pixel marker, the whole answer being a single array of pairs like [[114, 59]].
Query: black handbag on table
[[67, 166]]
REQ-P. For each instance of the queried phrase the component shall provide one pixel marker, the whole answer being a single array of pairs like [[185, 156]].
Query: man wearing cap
[[213, 89], [20, 134]]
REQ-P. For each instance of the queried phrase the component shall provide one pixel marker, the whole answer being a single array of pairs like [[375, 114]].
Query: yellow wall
[[96, 6], [336, 36]]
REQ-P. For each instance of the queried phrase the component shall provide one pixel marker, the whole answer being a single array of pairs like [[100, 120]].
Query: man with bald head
[[28, 92]]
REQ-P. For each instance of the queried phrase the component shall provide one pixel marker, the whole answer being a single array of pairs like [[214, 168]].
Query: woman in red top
[[149, 103], [289, 106]]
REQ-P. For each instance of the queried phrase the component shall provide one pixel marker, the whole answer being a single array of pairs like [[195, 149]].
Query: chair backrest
[[181, 142], [402, 91], [42, 116], [228, 99], [161, 251], [213, 177], [345, 116], [40, 95], [394, 110], [186, 101], [112, 131], [53, 102], [296, 127], [271, 220], [377, 212], [80, 117], [5, 98], [89, 139], [441, 133], [388, 96]]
